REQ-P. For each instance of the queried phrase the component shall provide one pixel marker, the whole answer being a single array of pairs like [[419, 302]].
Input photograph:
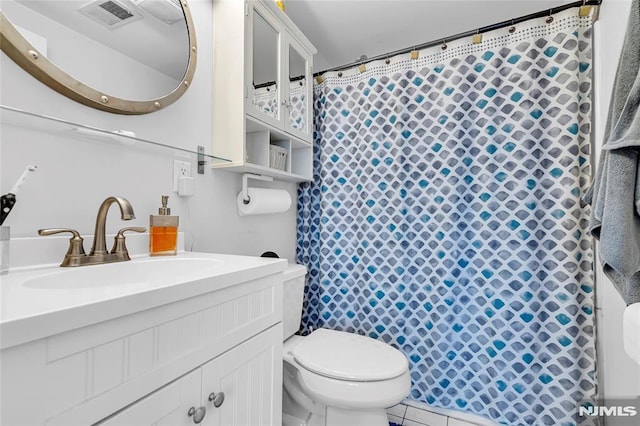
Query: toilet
[[333, 378]]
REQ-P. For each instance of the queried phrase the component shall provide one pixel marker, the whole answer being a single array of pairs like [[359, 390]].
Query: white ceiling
[[343, 30]]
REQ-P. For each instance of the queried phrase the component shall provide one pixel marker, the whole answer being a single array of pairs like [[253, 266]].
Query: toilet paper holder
[[245, 190]]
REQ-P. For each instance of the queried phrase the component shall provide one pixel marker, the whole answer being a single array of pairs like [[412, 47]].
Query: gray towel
[[615, 193]]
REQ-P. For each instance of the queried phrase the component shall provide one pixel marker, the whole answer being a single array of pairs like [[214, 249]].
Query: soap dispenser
[[163, 231]]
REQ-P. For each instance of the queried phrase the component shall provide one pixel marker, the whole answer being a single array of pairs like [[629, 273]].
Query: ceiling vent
[[168, 11], [110, 13]]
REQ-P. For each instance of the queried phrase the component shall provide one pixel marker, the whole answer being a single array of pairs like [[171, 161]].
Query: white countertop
[[43, 301]]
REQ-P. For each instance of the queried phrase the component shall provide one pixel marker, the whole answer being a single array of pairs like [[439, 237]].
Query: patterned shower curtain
[[444, 218]]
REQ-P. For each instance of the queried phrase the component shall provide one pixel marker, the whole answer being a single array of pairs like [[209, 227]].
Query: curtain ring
[[549, 18], [387, 60], [444, 45], [585, 10], [339, 73], [477, 37], [512, 28]]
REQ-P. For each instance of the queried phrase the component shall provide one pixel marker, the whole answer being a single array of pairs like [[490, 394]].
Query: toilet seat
[[347, 356], [348, 394]]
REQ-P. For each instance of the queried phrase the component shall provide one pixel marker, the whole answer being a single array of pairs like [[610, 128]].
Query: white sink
[[45, 300], [135, 272]]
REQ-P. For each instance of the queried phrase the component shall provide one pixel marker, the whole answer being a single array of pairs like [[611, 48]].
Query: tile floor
[[404, 415]]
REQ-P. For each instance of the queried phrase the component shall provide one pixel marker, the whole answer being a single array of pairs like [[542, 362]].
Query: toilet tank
[[293, 294]]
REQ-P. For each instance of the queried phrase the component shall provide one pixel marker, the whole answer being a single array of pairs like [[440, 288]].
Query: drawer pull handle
[[216, 398], [197, 414]]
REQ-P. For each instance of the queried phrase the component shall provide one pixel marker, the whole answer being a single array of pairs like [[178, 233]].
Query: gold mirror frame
[[28, 58]]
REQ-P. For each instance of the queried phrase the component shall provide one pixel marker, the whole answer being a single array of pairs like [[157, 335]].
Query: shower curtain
[[444, 218]]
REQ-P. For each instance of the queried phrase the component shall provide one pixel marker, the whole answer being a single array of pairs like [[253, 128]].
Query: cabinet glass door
[[297, 91], [299, 98], [265, 90]]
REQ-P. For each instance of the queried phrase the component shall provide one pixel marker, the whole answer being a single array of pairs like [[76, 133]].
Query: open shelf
[[261, 139], [10, 116]]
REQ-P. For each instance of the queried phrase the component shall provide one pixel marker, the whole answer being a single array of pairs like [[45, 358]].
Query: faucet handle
[[119, 246], [75, 242]]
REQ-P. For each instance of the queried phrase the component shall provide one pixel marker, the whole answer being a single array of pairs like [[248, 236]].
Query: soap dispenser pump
[[163, 231]]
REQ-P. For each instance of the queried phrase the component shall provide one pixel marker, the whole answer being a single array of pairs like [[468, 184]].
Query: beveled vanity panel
[[94, 371]]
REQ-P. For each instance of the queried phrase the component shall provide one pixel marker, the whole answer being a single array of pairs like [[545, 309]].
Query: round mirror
[[121, 56]]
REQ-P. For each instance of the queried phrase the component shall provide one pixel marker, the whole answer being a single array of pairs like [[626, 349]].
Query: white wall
[[76, 173], [619, 376]]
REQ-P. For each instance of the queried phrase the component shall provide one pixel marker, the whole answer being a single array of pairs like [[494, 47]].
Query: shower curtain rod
[[482, 30]]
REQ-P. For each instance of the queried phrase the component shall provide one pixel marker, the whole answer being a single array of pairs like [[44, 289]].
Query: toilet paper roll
[[264, 201]]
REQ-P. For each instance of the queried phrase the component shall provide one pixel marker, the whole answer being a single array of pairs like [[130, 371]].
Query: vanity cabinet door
[[168, 406], [250, 376]]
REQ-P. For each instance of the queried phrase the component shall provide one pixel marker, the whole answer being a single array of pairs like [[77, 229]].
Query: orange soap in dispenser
[[163, 231]]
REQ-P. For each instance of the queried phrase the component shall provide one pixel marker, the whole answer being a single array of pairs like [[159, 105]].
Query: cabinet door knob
[[197, 414], [216, 398]]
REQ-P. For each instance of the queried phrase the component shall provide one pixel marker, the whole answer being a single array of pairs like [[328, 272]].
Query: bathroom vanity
[[195, 338]]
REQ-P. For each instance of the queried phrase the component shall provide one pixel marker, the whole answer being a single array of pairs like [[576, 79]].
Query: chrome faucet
[[76, 255]]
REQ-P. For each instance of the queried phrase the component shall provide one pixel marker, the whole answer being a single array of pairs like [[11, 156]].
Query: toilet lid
[[348, 356]]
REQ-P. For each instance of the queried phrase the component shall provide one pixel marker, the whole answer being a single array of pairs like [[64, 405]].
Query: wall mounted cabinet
[[262, 91]]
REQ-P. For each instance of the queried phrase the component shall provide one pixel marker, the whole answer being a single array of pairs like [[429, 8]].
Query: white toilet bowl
[[333, 378]]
